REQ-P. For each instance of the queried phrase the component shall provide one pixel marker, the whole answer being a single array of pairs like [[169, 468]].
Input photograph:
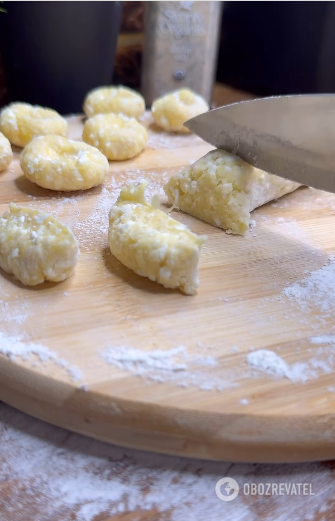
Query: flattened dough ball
[[21, 122], [58, 163], [6, 154], [116, 136], [172, 110], [35, 247], [117, 100]]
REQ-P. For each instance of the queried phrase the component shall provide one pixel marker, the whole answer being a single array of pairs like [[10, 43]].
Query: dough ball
[[35, 247], [21, 123], [6, 154], [118, 100], [172, 110], [59, 163], [151, 243], [116, 136]]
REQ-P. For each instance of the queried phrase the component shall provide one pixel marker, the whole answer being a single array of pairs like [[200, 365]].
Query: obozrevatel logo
[[230, 487]]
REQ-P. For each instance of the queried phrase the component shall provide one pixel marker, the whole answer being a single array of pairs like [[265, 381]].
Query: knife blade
[[290, 136]]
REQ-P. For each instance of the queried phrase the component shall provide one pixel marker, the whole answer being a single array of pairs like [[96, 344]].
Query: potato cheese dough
[[21, 122], [59, 163], [6, 154], [116, 136], [222, 189], [117, 100], [151, 243], [172, 110], [36, 247]]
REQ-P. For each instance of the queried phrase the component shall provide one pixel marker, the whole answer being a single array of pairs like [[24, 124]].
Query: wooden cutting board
[[131, 363]]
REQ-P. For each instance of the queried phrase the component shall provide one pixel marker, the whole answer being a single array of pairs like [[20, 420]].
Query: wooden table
[[50, 474]]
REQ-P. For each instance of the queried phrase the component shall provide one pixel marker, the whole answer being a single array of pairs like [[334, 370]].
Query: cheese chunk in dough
[[153, 244], [222, 189], [36, 247]]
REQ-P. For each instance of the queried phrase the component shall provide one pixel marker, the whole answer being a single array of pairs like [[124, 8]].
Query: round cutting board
[[120, 358]]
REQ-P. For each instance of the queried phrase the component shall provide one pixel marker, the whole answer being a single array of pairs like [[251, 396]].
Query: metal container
[[180, 47]]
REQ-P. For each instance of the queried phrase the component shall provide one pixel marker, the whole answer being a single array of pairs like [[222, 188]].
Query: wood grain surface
[[222, 411], [50, 474]]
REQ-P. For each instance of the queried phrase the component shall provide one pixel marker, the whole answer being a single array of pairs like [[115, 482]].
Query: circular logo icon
[[230, 487]]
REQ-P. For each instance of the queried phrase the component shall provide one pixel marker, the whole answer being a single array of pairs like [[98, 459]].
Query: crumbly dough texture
[[58, 163], [153, 244], [6, 154], [172, 110], [222, 189], [117, 100], [116, 136], [21, 122], [36, 247]]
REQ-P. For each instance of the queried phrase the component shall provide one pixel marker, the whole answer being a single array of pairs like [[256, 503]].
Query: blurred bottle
[[180, 47]]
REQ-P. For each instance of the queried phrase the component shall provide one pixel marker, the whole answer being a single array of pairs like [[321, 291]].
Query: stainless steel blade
[[290, 136]]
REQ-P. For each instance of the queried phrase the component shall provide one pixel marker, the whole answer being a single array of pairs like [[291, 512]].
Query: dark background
[[266, 48], [278, 47]]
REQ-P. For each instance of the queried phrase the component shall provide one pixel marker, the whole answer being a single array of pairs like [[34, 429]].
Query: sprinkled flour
[[270, 363], [15, 347], [139, 362], [323, 339], [171, 365], [267, 361], [50, 474], [318, 289]]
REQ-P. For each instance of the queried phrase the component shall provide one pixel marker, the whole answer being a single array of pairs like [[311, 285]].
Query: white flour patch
[[15, 347], [55, 475], [286, 226], [171, 365], [140, 362], [316, 290], [322, 361], [323, 339], [270, 363], [16, 312]]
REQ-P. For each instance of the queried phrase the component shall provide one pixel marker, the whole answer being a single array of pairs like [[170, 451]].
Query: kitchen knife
[[290, 136]]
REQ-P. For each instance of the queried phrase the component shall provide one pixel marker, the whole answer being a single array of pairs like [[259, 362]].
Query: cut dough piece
[[6, 154], [222, 189], [151, 243], [172, 110], [36, 247], [118, 100], [116, 136], [21, 122], [58, 163]]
